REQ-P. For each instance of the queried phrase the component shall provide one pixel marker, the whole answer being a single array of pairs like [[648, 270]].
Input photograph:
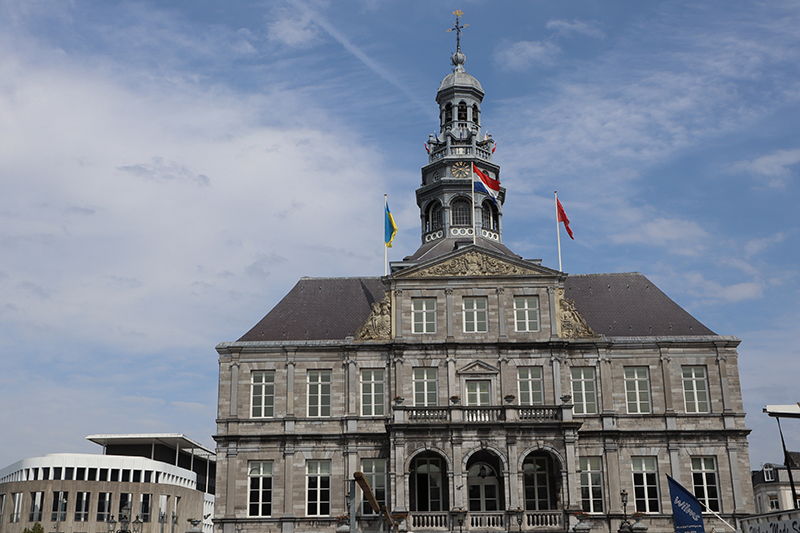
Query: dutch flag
[[485, 184]]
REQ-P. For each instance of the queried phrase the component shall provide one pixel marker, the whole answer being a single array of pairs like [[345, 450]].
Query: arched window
[[476, 115], [540, 482], [428, 483], [462, 112], [448, 113], [484, 489], [489, 216], [435, 216], [461, 213]]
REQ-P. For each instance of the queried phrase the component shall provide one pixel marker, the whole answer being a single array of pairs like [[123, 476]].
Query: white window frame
[[423, 315], [645, 484], [637, 390], [373, 392], [426, 389], [584, 390], [318, 488], [526, 314], [262, 394], [773, 502], [259, 488], [530, 380], [319, 393], [591, 484], [769, 472], [705, 480], [695, 389], [479, 392], [145, 506], [476, 314], [16, 507], [374, 471]]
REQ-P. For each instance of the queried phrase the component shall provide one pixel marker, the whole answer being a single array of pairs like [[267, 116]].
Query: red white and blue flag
[[485, 184]]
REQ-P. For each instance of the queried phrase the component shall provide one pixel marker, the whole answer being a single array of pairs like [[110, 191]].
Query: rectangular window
[[59, 513], [163, 507], [475, 315], [145, 507], [319, 393], [125, 499], [2, 507], [695, 389], [318, 488], [426, 392], [645, 484], [16, 507], [773, 502], [81, 506], [424, 315], [375, 473], [103, 506], [591, 484], [704, 481], [531, 386], [36, 507], [637, 389], [260, 493], [372, 392], [584, 391], [262, 394], [526, 313], [477, 392]]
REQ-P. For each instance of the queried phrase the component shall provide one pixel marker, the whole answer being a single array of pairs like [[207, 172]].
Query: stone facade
[[476, 390]]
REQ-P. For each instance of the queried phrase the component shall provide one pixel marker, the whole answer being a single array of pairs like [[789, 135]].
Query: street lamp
[[460, 515], [624, 526], [124, 522], [520, 514]]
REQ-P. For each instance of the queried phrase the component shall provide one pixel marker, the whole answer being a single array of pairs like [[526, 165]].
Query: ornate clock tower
[[445, 196]]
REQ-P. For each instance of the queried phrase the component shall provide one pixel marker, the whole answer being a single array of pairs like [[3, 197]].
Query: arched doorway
[[541, 482], [428, 486], [485, 490]]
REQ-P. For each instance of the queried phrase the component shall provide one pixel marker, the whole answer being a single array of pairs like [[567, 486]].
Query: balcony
[[482, 415], [487, 521]]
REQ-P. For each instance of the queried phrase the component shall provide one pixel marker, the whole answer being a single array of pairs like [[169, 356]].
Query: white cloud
[[294, 28], [523, 55], [754, 246], [775, 168], [563, 27], [679, 236]]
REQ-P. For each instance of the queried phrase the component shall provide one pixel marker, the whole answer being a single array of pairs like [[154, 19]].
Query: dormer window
[[769, 472]]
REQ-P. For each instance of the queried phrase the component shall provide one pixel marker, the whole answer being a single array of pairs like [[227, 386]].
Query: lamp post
[[124, 522], [520, 514], [624, 526]]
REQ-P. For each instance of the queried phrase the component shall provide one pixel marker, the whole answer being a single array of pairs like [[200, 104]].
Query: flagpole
[[558, 233], [385, 248], [474, 231]]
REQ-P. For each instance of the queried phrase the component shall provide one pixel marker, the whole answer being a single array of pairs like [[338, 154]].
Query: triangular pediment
[[475, 261], [478, 367]]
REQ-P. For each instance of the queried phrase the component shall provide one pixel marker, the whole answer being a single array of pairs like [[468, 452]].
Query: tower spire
[[458, 29]]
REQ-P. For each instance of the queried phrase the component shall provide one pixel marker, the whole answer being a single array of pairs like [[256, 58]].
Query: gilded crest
[[378, 326], [571, 323]]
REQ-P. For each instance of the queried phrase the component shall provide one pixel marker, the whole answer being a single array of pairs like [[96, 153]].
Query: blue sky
[[170, 169]]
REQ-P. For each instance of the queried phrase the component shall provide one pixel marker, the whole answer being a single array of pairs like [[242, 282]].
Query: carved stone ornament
[[378, 326], [474, 264], [573, 326]]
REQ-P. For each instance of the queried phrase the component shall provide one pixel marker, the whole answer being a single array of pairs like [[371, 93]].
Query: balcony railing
[[486, 521], [459, 413]]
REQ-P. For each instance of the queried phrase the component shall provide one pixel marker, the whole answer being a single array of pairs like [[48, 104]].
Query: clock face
[[460, 169]]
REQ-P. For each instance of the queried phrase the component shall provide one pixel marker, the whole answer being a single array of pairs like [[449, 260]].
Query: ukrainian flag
[[390, 226]]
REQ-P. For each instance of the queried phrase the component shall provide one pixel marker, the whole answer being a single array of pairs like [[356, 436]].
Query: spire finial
[[458, 28]]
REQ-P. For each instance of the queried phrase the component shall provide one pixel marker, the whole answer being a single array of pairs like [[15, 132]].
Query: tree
[[37, 528]]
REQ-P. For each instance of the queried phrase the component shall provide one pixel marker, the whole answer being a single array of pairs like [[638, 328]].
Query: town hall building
[[476, 390]]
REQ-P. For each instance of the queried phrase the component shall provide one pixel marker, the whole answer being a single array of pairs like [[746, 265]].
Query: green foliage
[[37, 528]]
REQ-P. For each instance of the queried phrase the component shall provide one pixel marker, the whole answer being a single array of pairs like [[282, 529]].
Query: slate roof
[[319, 309], [621, 305], [614, 305]]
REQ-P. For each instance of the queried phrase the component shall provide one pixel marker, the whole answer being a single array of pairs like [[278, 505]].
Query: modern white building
[[155, 482]]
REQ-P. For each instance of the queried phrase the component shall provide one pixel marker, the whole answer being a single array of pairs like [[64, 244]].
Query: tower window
[[460, 213], [448, 113], [489, 216], [462, 112], [435, 219], [476, 114]]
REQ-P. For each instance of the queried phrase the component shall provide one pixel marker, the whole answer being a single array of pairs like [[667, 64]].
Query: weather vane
[[458, 13]]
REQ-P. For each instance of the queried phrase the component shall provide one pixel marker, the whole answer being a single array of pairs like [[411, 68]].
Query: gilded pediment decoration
[[473, 264], [571, 323], [378, 326]]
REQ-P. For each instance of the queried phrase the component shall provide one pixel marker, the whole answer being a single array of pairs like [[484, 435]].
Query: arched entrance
[[541, 482], [428, 487], [485, 489]]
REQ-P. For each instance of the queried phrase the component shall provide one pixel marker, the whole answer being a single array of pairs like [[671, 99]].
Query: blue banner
[[686, 512]]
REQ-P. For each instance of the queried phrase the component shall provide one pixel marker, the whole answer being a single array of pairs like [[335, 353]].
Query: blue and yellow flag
[[390, 226]]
